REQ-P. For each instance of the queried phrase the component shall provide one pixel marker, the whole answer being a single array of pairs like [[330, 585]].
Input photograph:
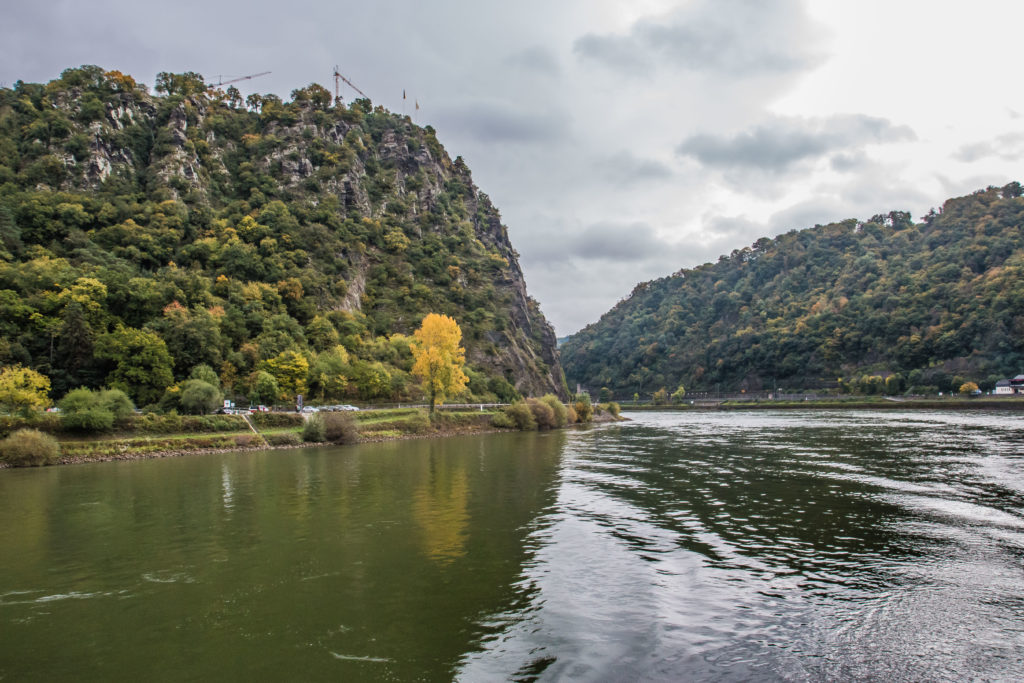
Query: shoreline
[[174, 453], [887, 404]]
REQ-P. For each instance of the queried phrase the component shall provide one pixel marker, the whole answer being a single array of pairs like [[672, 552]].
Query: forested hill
[[931, 304], [300, 240]]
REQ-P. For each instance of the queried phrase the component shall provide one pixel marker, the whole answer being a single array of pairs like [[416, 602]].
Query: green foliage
[[314, 430], [543, 415], [612, 408], [199, 397], [23, 390], [875, 298], [583, 408], [83, 410], [558, 410], [283, 439], [238, 262], [29, 448], [520, 414]]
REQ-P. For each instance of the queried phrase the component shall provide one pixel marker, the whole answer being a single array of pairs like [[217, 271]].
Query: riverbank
[[280, 431]]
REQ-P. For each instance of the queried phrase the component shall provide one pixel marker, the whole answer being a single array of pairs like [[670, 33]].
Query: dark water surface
[[753, 546]]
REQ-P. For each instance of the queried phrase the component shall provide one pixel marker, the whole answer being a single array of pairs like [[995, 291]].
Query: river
[[797, 545]]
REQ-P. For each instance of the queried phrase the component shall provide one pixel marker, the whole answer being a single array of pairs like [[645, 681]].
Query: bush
[[561, 415], [118, 403], [503, 421], [521, 415], [542, 413], [82, 411], [340, 427], [29, 448], [314, 430], [570, 415], [611, 407], [265, 420], [199, 397], [283, 439], [584, 409]]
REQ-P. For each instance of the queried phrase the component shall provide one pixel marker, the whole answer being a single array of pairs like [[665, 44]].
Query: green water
[[800, 546], [361, 562]]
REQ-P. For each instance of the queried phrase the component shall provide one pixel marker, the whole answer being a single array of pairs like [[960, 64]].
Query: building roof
[[1003, 383]]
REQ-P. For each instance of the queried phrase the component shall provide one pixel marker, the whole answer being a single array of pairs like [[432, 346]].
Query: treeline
[[287, 246], [883, 305]]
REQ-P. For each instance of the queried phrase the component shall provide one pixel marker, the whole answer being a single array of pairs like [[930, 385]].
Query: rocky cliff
[[284, 225]]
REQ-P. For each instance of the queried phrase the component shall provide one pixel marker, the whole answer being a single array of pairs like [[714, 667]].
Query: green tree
[[263, 389], [679, 394], [199, 397], [438, 357], [23, 390], [142, 364]]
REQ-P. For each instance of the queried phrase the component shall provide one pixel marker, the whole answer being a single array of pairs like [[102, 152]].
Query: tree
[[290, 369], [968, 388], [23, 390], [438, 357], [264, 388], [200, 397], [679, 394], [143, 365]]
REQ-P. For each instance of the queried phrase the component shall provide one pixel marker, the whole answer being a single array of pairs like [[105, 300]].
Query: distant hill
[[928, 304], [235, 231]]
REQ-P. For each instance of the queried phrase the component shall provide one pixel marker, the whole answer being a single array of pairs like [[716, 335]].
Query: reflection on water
[[776, 546], [678, 546]]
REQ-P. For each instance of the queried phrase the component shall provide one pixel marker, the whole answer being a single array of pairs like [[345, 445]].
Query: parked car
[[347, 407], [310, 409]]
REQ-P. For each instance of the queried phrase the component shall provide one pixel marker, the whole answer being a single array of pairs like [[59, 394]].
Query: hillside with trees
[[883, 305], [289, 247]]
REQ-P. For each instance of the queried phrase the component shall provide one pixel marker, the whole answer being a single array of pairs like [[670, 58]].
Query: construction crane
[[221, 82], [337, 85]]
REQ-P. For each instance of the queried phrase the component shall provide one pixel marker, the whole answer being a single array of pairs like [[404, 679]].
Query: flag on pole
[[403, 93]]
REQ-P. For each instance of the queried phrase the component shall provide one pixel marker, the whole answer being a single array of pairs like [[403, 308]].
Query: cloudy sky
[[621, 141]]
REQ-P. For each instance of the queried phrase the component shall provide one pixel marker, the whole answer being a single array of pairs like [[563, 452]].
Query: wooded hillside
[[148, 232], [884, 304]]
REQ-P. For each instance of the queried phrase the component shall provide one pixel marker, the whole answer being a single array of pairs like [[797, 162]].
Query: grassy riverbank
[[147, 436]]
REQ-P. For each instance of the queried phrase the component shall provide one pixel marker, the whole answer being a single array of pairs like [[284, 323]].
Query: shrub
[[542, 413], [340, 427], [503, 421], [199, 397], [570, 415], [557, 407], [283, 439], [584, 409], [521, 416], [117, 402], [314, 430], [29, 448], [611, 407], [82, 411], [265, 420]]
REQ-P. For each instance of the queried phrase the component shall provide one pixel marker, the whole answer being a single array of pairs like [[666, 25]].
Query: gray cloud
[[628, 169], [536, 59], [1008, 146], [782, 142], [739, 38], [493, 122]]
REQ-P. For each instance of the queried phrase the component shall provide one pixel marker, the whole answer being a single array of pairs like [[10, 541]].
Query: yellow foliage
[[23, 389], [438, 357]]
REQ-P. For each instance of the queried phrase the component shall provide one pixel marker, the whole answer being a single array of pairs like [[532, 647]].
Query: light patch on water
[[168, 577], [359, 658], [972, 512]]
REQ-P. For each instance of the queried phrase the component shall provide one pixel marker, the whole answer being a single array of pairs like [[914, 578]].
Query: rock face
[[410, 230]]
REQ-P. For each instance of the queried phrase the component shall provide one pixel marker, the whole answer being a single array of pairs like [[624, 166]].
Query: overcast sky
[[621, 141]]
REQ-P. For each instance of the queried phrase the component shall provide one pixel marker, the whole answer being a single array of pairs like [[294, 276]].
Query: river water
[[677, 546]]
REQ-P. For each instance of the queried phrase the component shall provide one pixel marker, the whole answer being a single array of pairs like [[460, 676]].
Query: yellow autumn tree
[[438, 357], [23, 390]]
